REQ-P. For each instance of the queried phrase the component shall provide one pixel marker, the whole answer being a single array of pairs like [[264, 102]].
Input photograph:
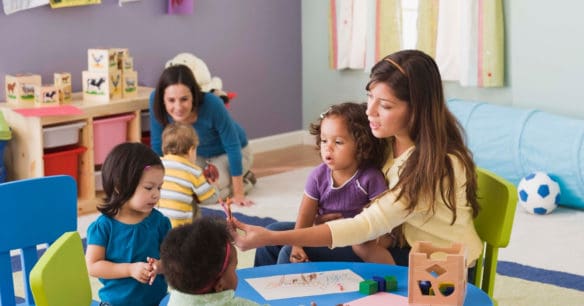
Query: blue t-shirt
[[128, 243], [218, 133], [348, 199]]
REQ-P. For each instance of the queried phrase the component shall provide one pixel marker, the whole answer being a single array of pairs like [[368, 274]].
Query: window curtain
[[466, 37], [362, 32]]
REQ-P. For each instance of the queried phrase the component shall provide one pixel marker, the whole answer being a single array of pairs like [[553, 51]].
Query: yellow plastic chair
[[60, 277], [498, 200]]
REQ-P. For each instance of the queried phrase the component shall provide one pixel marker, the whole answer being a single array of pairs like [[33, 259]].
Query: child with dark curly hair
[[347, 179], [212, 280]]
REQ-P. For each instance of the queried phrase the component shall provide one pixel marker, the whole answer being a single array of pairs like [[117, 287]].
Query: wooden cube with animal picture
[[62, 78], [122, 53], [62, 82], [20, 87], [130, 84], [102, 86], [127, 64], [102, 60], [46, 95]]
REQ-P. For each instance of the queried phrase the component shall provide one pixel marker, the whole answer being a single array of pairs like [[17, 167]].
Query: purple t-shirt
[[348, 199]]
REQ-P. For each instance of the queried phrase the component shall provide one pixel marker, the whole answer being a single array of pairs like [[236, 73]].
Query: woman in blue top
[[123, 244], [223, 143]]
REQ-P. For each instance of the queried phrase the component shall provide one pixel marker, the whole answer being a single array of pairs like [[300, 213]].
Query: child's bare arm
[[98, 266]]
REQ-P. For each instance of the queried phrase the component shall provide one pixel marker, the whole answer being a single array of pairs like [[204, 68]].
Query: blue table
[[474, 296]]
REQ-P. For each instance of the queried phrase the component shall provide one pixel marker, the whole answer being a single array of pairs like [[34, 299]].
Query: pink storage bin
[[107, 133]]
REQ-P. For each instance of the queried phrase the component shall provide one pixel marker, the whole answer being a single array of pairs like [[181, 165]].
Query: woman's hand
[[247, 236], [298, 255], [327, 217], [238, 192]]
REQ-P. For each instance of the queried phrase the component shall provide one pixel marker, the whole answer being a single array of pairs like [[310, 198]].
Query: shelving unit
[[24, 152]]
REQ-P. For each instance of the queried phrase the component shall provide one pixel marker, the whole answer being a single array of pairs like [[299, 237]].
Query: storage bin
[[107, 133], [61, 135], [64, 160], [5, 136], [145, 121]]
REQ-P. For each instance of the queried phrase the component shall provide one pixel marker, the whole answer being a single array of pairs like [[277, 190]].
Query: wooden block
[[62, 78], [46, 95], [102, 60], [129, 84], [115, 80], [437, 275], [20, 87], [65, 93], [127, 64], [122, 53]]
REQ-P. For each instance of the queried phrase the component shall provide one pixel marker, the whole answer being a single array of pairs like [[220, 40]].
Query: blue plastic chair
[[33, 212]]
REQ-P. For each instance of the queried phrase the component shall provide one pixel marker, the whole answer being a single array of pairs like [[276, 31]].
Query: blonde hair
[[179, 138]]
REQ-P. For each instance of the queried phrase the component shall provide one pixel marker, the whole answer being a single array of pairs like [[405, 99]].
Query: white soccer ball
[[538, 193]]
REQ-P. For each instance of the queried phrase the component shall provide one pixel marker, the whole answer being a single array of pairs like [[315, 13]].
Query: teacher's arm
[[257, 236]]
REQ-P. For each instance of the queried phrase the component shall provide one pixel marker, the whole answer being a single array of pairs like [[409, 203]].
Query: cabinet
[[24, 152]]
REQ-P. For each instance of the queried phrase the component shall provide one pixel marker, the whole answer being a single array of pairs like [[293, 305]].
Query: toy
[[211, 173], [538, 193], [368, 287], [437, 275], [202, 75], [390, 283], [378, 284], [20, 87]]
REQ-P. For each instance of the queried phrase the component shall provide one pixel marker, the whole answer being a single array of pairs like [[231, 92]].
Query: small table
[[474, 295]]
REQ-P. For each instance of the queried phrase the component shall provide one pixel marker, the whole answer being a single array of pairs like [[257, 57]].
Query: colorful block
[[380, 283], [102, 60], [127, 64], [20, 87], [100, 86], [129, 84], [390, 283], [62, 78], [46, 95], [368, 287]]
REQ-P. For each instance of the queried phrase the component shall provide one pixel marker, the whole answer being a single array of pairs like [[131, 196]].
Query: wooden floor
[[287, 159]]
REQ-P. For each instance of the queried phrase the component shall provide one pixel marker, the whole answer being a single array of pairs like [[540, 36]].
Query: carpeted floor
[[543, 264]]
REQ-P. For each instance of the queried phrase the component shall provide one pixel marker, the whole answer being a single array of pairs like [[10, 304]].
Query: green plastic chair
[[60, 276], [498, 200]]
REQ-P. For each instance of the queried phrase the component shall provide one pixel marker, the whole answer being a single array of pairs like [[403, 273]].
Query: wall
[[253, 45], [544, 61]]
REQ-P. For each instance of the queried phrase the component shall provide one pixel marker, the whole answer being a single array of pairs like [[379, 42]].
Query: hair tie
[[389, 60]]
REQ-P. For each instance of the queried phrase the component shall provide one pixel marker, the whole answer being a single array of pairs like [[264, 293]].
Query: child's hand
[[327, 217], [156, 269], [141, 271], [298, 255]]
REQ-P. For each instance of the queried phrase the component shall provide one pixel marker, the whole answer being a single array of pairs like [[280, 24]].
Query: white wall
[[545, 61]]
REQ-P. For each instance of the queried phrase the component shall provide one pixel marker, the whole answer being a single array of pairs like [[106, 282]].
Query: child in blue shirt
[[123, 243]]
